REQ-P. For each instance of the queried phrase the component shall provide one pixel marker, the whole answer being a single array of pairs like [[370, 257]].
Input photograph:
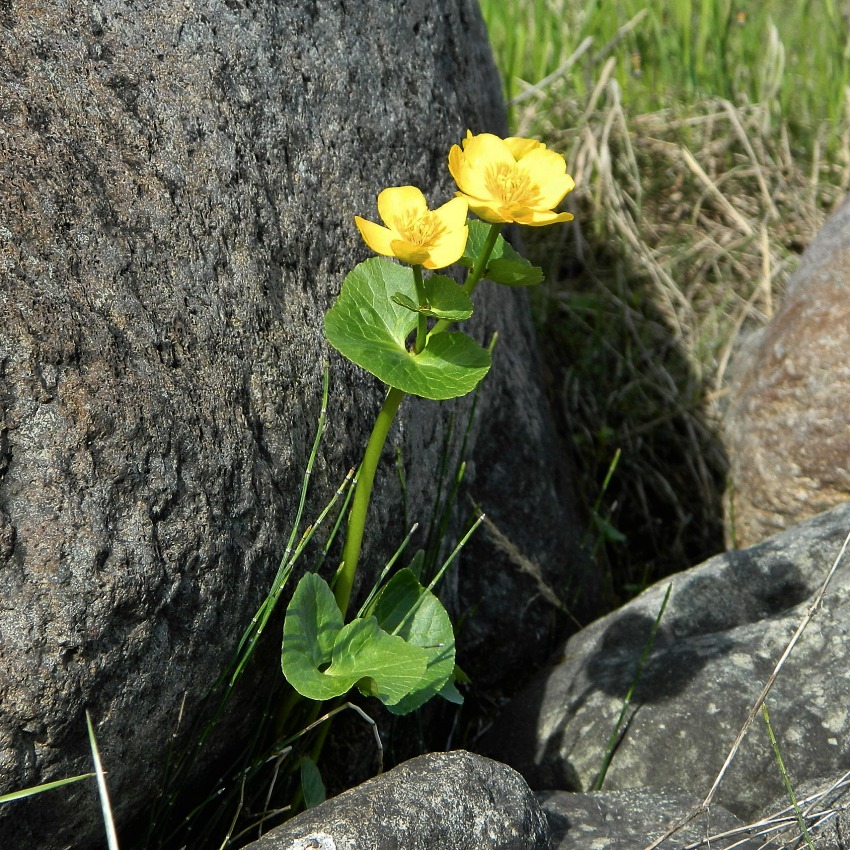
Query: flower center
[[511, 185], [417, 229]]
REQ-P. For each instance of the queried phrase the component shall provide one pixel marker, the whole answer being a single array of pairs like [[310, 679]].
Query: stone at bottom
[[450, 801]]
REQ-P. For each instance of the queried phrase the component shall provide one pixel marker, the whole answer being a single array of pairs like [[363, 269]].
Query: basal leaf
[[371, 329], [365, 651], [310, 629], [405, 608]]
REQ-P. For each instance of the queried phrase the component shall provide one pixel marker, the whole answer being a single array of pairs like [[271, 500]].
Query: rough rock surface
[[451, 801], [825, 805], [634, 818], [787, 432], [725, 627], [177, 186]]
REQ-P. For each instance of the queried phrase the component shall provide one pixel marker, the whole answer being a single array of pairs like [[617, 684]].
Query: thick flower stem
[[477, 272], [422, 326], [362, 495]]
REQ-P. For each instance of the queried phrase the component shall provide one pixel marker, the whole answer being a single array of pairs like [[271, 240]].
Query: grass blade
[[103, 792]]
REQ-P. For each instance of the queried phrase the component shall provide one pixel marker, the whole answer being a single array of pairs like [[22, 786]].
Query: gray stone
[[177, 186], [825, 807], [634, 818], [450, 801], [786, 428], [725, 627]]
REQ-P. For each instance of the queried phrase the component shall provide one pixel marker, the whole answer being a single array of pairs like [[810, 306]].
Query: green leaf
[[512, 273], [310, 628], [371, 329], [405, 608], [450, 693], [408, 303], [505, 265], [322, 658], [365, 651], [312, 785], [445, 300]]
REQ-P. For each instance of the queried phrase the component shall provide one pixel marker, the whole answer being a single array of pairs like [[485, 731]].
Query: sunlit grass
[[708, 142], [791, 55]]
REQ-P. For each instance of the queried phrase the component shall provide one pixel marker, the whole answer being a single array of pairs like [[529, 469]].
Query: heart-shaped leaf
[[310, 628], [371, 329], [366, 651], [405, 608], [322, 658]]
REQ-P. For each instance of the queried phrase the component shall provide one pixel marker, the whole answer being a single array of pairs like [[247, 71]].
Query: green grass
[[708, 142], [792, 55]]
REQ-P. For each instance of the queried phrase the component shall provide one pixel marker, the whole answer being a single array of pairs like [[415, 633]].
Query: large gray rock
[[825, 807], [786, 431], [178, 182], [726, 624], [634, 818], [450, 801]]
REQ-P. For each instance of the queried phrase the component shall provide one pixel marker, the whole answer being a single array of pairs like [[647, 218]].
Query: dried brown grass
[[688, 226]]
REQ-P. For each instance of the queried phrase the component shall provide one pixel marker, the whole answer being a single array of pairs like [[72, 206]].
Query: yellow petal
[[399, 201], [553, 193], [521, 147], [414, 255], [490, 210], [449, 249], [469, 180], [486, 149], [548, 170], [378, 238], [452, 215], [538, 218]]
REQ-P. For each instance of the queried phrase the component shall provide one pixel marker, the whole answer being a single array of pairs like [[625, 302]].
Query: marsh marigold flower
[[415, 234], [507, 180]]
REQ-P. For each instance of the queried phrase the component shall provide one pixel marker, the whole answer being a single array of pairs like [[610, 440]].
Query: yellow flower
[[415, 234], [512, 179]]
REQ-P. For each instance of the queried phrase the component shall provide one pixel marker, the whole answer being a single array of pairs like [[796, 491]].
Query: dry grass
[[688, 225]]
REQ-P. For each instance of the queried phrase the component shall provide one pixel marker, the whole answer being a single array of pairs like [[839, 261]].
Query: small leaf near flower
[[445, 300], [505, 265], [510, 180]]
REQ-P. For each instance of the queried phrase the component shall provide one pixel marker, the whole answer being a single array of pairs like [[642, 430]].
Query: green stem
[[477, 272], [421, 327], [362, 495]]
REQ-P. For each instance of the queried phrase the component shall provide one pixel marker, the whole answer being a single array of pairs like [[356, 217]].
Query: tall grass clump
[[708, 142]]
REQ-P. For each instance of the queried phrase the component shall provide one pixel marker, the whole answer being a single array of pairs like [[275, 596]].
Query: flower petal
[[447, 250], [452, 215], [539, 218], [378, 238], [490, 210], [522, 147], [549, 171], [398, 201], [469, 180], [414, 255], [486, 149]]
